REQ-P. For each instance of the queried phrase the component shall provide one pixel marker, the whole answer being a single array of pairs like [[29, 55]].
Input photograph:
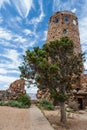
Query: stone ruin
[[16, 88]]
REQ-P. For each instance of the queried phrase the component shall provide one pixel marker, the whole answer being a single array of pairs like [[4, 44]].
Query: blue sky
[[24, 24]]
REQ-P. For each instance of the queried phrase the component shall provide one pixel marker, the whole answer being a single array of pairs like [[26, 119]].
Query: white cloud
[[7, 43], [2, 2], [5, 34], [28, 32], [7, 79], [19, 39], [31, 89], [25, 42], [13, 55], [11, 39], [85, 65], [56, 5], [14, 58], [15, 21], [83, 26], [38, 19], [74, 10], [3, 71], [45, 35], [8, 69], [59, 5], [31, 43], [1, 19], [23, 7], [14, 71], [4, 86]]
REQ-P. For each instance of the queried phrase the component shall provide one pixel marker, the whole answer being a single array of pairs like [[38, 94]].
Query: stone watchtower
[[64, 23]]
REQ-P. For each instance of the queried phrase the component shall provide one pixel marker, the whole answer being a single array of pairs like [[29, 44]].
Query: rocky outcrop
[[16, 88]]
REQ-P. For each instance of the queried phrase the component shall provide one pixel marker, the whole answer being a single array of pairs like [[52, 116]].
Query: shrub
[[14, 103], [1, 103], [44, 103], [24, 99], [74, 105]]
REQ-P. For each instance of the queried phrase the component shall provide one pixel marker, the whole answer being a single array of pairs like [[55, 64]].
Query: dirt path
[[14, 118]]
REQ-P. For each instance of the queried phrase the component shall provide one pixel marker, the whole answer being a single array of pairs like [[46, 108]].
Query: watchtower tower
[[64, 23]]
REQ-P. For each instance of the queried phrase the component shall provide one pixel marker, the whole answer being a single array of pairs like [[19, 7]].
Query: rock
[[82, 112], [16, 88], [68, 109], [57, 107], [54, 126]]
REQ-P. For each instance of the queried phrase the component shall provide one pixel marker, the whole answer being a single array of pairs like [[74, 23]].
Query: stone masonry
[[64, 23]]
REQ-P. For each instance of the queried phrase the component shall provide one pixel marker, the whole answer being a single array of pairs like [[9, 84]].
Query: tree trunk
[[63, 113]]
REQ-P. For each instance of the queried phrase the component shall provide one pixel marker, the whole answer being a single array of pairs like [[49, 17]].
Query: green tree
[[55, 67]]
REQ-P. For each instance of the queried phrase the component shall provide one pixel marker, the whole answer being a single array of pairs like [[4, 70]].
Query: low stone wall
[[4, 95]]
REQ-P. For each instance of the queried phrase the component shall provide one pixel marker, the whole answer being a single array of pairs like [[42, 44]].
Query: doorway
[[80, 101]]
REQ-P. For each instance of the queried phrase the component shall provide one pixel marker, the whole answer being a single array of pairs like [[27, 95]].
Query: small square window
[[64, 31], [74, 22], [56, 20], [66, 19]]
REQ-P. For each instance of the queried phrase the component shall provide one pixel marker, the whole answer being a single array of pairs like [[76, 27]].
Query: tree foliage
[[54, 66]]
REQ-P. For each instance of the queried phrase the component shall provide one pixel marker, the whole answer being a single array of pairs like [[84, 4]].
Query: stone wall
[[83, 87], [43, 94], [4, 95], [64, 23], [84, 81]]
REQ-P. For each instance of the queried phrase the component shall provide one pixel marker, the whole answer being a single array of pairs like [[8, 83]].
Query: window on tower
[[64, 31], [56, 20], [66, 19], [74, 22]]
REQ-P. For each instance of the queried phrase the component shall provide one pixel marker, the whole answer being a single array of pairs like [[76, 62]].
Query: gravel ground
[[75, 121], [18, 119], [14, 118]]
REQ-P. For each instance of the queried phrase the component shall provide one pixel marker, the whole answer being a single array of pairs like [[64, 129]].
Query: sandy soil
[[75, 121], [14, 118]]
